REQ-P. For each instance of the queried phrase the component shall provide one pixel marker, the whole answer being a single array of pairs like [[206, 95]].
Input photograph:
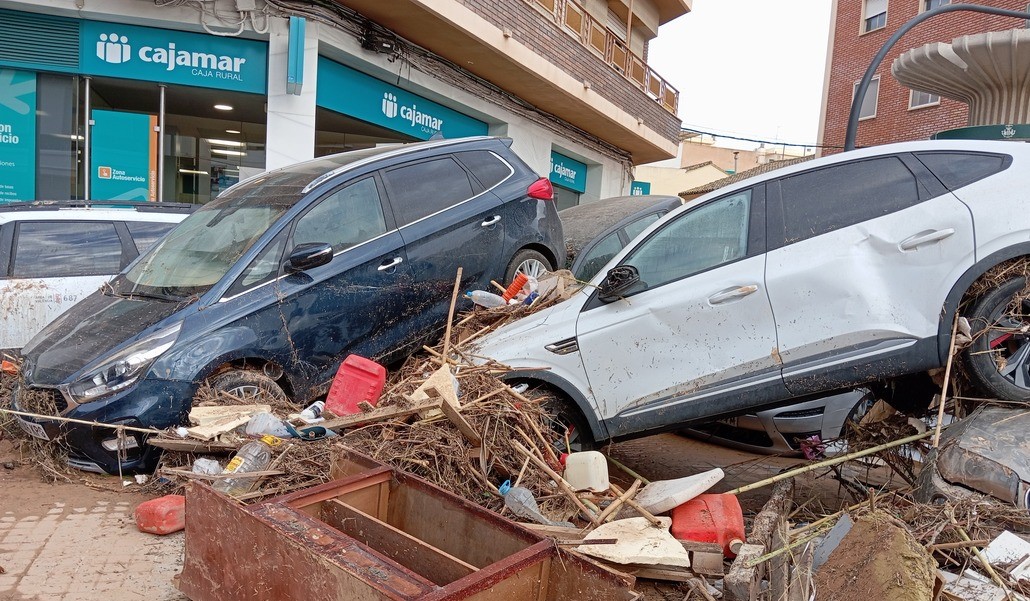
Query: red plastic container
[[710, 518], [162, 516], [358, 379]]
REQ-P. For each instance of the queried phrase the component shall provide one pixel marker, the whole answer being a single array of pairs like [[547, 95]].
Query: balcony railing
[[596, 37]]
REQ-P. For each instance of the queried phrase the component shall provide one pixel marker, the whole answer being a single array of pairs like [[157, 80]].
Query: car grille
[[41, 401]]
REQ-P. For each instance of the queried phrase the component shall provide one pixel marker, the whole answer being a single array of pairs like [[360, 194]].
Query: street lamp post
[[856, 102]]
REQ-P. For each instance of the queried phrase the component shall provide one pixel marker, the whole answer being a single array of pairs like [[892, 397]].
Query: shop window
[[565, 198], [868, 108]]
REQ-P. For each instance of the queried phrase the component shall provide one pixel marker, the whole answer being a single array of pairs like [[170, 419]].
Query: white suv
[[842, 271], [52, 254]]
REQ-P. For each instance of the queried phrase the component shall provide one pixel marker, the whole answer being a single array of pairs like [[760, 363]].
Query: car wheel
[[564, 418], [247, 384], [998, 359], [529, 262]]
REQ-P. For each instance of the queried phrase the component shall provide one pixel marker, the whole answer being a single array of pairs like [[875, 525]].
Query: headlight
[[124, 368]]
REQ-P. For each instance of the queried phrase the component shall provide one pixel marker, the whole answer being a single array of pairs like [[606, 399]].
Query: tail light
[[541, 189]]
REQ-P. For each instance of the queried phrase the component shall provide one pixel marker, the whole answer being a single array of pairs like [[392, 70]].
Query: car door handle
[[394, 263], [491, 221], [926, 237], [732, 294]]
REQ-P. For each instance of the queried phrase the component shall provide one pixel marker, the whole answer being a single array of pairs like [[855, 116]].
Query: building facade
[[892, 112], [131, 100]]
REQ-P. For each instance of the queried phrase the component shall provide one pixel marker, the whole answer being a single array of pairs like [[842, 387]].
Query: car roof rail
[[140, 206]]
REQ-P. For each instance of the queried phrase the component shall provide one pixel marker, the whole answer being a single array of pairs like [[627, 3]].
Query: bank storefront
[[99, 110]]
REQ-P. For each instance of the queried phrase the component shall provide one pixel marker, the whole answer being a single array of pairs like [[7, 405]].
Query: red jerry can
[[358, 379], [164, 515], [711, 518]]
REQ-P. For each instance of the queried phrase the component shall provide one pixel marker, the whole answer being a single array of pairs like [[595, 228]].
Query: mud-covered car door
[[52, 265], [447, 221], [696, 333], [359, 301]]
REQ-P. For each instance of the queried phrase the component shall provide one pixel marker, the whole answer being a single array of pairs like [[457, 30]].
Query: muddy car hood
[[89, 331]]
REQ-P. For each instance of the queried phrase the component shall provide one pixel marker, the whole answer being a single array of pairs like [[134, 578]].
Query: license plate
[[32, 429]]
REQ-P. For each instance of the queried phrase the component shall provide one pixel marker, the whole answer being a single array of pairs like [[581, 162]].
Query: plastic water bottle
[[254, 456], [313, 412], [521, 502], [485, 299]]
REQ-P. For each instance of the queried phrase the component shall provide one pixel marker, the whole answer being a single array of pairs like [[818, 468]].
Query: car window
[[957, 169], [486, 166], [425, 188], [263, 268], [711, 235], [598, 256], [346, 217], [824, 200], [633, 230], [66, 248], [146, 233]]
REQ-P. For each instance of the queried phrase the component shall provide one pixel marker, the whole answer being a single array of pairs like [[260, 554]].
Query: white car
[[843, 271], [54, 254]]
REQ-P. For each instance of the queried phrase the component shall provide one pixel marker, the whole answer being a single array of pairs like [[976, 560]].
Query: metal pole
[[87, 168], [856, 102], [161, 147]]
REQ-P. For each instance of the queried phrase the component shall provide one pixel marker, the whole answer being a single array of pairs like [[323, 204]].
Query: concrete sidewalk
[[85, 552]]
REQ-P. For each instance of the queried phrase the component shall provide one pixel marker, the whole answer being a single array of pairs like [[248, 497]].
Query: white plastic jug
[[587, 470]]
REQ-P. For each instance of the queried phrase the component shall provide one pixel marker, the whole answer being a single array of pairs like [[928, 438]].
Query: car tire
[[529, 262], [998, 358], [564, 417], [246, 383]]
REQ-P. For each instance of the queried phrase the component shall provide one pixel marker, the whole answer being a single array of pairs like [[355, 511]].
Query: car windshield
[[194, 256]]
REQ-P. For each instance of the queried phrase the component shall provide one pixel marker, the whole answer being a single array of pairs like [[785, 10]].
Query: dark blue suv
[[271, 285]]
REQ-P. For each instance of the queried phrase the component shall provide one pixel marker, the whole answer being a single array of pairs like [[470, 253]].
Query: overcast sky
[[752, 68]]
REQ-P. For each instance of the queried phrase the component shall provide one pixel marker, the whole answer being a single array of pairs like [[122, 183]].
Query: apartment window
[[932, 4], [917, 99], [874, 15], [868, 109]]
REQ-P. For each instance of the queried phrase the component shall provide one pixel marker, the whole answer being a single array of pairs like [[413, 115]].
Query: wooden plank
[[742, 582], [208, 415], [193, 446], [392, 412], [454, 414], [416, 555]]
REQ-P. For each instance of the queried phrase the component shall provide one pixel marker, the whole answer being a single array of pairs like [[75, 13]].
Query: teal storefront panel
[[637, 188], [163, 55], [17, 135], [568, 172], [352, 93], [124, 156], [1019, 132]]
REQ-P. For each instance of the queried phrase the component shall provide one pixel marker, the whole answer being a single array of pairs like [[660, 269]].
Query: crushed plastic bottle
[[521, 502], [485, 299], [266, 423], [253, 456], [206, 465]]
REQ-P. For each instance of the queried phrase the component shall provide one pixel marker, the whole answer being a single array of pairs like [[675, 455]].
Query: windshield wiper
[[154, 295]]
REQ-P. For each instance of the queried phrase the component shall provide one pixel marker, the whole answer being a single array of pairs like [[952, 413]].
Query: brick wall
[[545, 37], [852, 53]]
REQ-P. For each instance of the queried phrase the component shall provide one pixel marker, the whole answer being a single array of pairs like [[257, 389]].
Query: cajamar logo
[[114, 48], [389, 105]]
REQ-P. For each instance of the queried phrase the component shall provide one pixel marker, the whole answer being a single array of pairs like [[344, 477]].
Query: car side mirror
[[617, 283], [308, 256]]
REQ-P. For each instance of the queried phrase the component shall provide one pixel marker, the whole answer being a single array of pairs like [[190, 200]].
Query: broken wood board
[[185, 445], [206, 416], [378, 415], [442, 381], [213, 421]]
